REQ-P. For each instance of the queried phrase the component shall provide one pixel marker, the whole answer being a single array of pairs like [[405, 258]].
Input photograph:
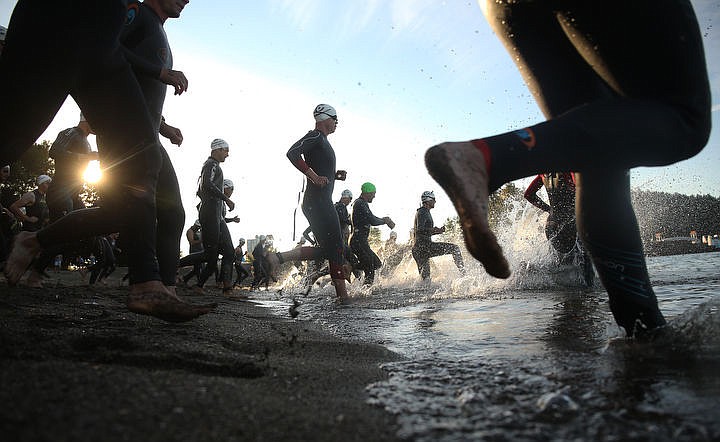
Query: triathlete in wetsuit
[[87, 63], [212, 204], [362, 220], [146, 47], [640, 96], [239, 259], [315, 158], [71, 152], [36, 214], [343, 215], [194, 237], [424, 248], [560, 226]]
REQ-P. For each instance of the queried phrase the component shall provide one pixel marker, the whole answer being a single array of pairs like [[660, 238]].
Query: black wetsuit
[[362, 220], [146, 47], [212, 202], [560, 226], [195, 248], [69, 150], [345, 221], [39, 210], [239, 269], [623, 84], [87, 63], [317, 202], [424, 248]]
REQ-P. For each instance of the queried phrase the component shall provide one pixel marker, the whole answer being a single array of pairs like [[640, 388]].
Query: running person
[[212, 220], [315, 158], [343, 215], [424, 248], [146, 46], [36, 214], [71, 152], [560, 226], [107, 92], [239, 259], [194, 237], [362, 220], [640, 97]]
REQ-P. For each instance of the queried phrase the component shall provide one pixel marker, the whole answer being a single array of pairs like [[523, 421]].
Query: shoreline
[[75, 364]]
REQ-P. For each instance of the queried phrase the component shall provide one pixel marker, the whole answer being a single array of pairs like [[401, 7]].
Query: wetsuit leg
[[228, 254], [616, 249], [625, 108], [325, 225], [170, 221], [422, 259], [210, 215], [369, 261]]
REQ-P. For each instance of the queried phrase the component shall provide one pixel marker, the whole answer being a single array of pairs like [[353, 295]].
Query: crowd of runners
[[640, 97]]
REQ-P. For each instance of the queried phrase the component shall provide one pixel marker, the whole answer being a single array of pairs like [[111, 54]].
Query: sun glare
[[92, 173]]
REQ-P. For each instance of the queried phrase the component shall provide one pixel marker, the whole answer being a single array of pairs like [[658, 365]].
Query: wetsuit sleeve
[[343, 214], [207, 186], [132, 34], [531, 194], [303, 145]]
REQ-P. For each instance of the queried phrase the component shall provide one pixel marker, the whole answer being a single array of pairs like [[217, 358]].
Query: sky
[[403, 75]]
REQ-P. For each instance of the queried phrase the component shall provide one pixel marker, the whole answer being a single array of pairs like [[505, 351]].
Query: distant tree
[[24, 172], [374, 238], [675, 214], [90, 195], [502, 204]]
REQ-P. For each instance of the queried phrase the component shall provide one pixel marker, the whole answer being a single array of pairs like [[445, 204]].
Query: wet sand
[[76, 365]]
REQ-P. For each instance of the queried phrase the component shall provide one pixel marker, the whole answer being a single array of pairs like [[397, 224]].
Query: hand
[[320, 181], [389, 222], [340, 175], [175, 79], [235, 220], [171, 133], [230, 204]]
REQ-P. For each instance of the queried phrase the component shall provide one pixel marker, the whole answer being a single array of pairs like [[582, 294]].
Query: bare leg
[[24, 249]]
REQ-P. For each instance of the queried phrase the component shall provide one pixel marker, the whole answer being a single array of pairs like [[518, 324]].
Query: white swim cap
[[323, 112], [227, 184], [427, 196], [346, 194], [43, 179], [219, 143]]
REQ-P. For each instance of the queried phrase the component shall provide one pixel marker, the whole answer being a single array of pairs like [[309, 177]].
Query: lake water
[[534, 357]]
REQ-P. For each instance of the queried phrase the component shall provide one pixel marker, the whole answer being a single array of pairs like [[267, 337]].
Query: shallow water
[[535, 357]]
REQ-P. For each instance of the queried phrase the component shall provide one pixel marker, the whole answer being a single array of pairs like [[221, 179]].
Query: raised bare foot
[[164, 306], [24, 249], [460, 169]]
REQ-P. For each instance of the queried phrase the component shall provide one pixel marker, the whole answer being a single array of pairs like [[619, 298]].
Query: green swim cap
[[367, 187]]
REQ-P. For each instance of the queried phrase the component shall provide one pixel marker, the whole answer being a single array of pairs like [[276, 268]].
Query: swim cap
[[346, 194], [262, 238], [367, 188], [197, 223], [241, 241], [393, 234], [427, 196], [219, 143], [3, 31], [43, 179], [82, 117], [323, 112], [227, 184]]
